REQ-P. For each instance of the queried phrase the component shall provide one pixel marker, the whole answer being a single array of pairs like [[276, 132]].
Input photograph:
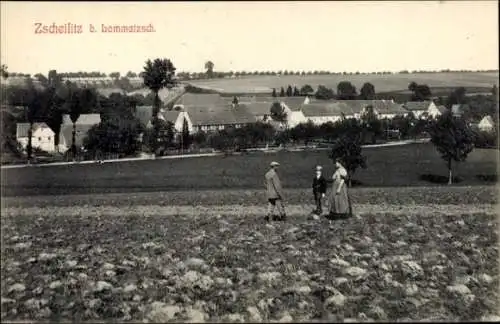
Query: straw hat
[[273, 164], [319, 168]]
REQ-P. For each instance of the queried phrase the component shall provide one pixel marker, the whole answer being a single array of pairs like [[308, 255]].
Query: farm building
[[420, 108], [84, 123], [321, 113], [436, 111], [486, 124], [459, 109], [42, 136], [215, 117]]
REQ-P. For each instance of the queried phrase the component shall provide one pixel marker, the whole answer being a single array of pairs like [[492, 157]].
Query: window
[[39, 139], [48, 138]]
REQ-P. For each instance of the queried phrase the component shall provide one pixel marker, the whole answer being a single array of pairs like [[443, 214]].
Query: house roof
[[459, 108], [81, 133], [259, 108], [442, 109], [144, 114], [417, 105], [293, 103], [84, 119], [219, 115], [330, 109], [195, 99], [170, 115], [106, 92], [23, 128]]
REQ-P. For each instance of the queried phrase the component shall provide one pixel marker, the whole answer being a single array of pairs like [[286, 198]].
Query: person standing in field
[[319, 189], [340, 204], [274, 194]]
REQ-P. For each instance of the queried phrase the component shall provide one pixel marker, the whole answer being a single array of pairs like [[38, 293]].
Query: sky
[[365, 36]]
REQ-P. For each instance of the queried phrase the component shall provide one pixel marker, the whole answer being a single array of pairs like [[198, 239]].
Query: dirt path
[[430, 210]]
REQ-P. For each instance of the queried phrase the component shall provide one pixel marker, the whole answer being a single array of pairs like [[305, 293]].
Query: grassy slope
[[389, 166], [382, 83]]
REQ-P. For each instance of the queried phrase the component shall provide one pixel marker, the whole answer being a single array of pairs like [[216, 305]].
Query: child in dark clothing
[[319, 189]]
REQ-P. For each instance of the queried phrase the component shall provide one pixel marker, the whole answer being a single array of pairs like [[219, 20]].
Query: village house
[[486, 124], [436, 111], [42, 136], [420, 109], [84, 123], [215, 117], [458, 109], [323, 112]]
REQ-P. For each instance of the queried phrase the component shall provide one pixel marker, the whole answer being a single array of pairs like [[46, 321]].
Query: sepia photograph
[[254, 161]]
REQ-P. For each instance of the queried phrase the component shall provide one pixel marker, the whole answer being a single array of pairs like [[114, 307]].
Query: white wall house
[[486, 124], [436, 111], [420, 108], [42, 136]]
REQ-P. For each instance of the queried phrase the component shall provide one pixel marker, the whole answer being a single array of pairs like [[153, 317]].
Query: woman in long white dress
[[340, 204]]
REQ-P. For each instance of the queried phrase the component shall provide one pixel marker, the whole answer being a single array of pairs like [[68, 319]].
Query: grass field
[[387, 166], [408, 254], [382, 83]]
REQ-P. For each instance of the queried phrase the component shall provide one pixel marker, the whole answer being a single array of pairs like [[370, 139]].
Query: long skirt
[[339, 204]]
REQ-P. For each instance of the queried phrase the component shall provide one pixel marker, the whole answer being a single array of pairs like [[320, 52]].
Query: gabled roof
[[417, 105], [325, 109], [219, 115], [170, 115], [442, 109], [259, 108], [144, 114], [459, 108], [81, 133], [197, 100], [293, 103], [23, 128], [84, 119]]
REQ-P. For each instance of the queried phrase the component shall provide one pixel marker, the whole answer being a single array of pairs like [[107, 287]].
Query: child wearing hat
[[319, 189]]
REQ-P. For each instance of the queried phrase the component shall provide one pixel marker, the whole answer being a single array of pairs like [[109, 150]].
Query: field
[[387, 166], [382, 83], [83, 243], [408, 254]]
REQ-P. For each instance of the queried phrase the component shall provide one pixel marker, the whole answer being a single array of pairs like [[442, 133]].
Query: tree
[[235, 101], [348, 148], [75, 109], [209, 66], [457, 96], [324, 93], [274, 95], [367, 91], [289, 91], [114, 75], [306, 90], [421, 92], [186, 138], [296, 92], [278, 112], [371, 124], [158, 74], [346, 91], [494, 91], [33, 108], [282, 92], [453, 140], [3, 71]]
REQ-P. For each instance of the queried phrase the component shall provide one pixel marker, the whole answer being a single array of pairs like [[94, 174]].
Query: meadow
[[410, 165], [382, 83]]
